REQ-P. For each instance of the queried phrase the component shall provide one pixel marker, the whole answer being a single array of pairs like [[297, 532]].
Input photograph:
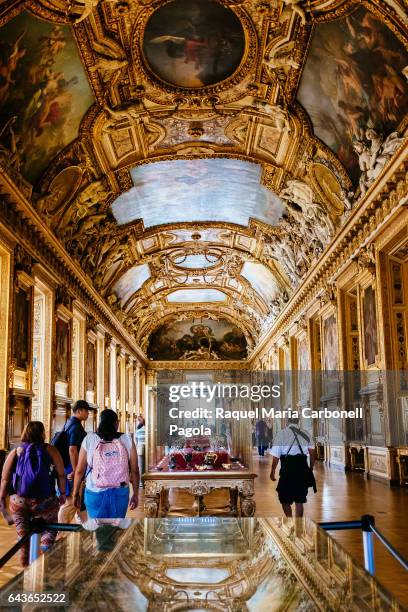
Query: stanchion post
[[368, 543], [34, 547]]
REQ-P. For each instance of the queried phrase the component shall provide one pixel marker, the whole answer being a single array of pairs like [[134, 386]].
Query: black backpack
[[60, 441]]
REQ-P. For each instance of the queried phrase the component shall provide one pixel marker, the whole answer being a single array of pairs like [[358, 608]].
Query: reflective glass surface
[[191, 563]]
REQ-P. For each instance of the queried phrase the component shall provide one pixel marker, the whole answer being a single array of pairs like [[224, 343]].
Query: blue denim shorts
[[112, 503]]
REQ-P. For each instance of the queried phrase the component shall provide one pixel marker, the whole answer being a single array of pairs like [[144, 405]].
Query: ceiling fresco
[[41, 76], [193, 44], [179, 191], [196, 296], [184, 151], [195, 261], [352, 81], [131, 282], [197, 340], [261, 279]]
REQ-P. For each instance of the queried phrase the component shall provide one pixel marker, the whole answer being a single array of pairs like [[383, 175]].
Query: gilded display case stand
[[240, 484]]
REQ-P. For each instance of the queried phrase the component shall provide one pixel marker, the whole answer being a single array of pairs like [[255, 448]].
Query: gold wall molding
[[6, 258]]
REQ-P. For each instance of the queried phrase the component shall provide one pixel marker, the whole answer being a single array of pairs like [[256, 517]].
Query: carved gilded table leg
[[199, 489], [153, 490], [246, 492]]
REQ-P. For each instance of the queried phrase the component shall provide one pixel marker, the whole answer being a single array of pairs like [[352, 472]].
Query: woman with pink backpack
[[108, 460]]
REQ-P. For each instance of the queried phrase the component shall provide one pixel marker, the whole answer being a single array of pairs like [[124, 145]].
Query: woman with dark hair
[[28, 471], [108, 460]]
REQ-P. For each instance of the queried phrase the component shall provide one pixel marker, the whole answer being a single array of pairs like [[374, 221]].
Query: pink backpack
[[110, 464]]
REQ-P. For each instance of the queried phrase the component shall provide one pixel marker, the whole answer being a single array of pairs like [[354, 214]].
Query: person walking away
[[140, 439], [68, 442], [29, 471], [261, 430], [108, 459], [291, 447]]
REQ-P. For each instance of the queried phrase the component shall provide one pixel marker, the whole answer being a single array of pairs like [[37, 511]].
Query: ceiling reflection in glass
[[178, 191], [196, 296]]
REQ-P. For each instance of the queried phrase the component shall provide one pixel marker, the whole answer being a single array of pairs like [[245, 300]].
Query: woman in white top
[[108, 460], [140, 439]]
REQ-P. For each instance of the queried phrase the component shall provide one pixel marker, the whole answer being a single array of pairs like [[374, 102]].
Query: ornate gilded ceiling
[[197, 157]]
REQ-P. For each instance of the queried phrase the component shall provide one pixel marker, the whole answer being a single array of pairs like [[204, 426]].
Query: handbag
[[310, 479]]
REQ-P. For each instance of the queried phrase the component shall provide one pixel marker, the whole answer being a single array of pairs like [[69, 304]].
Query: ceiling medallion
[[193, 44]]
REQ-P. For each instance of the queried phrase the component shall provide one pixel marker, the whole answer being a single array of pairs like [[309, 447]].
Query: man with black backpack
[[68, 442], [291, 447]]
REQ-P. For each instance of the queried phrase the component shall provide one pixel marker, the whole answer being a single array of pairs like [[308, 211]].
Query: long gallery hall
[[204, 305]]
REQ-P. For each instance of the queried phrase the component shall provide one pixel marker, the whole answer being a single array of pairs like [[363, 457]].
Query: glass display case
[[220, 564], [189, 448]]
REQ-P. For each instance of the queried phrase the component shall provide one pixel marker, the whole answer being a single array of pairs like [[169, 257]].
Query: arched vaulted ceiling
[[196, 157]]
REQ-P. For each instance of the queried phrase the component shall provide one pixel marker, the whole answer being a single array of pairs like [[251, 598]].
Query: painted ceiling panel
[[195, 262], [131, 282], [196, 295], [177, 191], [261, 279], [47, 85], [353, 78]]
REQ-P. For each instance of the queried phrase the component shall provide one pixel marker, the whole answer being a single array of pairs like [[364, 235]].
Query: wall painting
[[196, 340]]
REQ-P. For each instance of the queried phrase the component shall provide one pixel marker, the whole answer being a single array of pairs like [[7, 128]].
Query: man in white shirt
[[291, 447]]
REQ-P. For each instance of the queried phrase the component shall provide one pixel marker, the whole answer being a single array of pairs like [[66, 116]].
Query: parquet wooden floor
[[340, 497]]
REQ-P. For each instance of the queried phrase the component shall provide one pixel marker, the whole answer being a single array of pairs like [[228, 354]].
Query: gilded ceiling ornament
[[279, 57], [297, 9], [276, 112], [329, 188], [298, 194], [286, 339], [199, 150], [374, 151], [84, 207], [82, 8], [111, 59], [196, 130], [61, 190]]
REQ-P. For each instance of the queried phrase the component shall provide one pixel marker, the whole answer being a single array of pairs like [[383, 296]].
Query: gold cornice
[[198, 365], [71, 270]]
